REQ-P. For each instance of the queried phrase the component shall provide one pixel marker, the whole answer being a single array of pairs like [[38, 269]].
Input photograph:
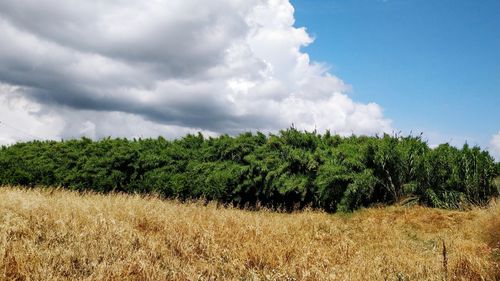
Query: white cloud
[[495, 146], [20, 119], [132, 68]]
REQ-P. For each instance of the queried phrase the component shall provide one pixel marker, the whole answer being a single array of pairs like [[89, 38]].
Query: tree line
[[289, 170]]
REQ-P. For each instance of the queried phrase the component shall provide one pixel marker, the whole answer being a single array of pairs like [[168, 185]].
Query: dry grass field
[[61, 235]]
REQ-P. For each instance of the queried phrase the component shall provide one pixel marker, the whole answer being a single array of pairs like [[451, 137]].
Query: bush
[[290, 170]]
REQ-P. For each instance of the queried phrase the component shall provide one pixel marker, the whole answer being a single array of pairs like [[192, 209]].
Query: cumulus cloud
[[495, 146], [21, 119], [145, 68]]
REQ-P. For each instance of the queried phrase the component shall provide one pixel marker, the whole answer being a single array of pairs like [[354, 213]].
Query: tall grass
[[52, 234]]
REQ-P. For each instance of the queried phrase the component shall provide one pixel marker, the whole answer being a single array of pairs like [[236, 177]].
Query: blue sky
[[434, 66]]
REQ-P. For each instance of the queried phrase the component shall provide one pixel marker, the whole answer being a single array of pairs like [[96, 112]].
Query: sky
[[434, 66], [131, 68]]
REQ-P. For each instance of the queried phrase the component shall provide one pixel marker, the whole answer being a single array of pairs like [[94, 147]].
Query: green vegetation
[[290, 170]]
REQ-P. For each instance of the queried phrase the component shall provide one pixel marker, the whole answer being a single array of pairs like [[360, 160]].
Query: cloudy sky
[[168, 67]]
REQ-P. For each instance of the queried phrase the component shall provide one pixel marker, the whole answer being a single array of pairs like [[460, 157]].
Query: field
[[50, 234]]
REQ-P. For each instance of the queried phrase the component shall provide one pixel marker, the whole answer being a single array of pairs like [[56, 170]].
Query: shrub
[[292, 169]]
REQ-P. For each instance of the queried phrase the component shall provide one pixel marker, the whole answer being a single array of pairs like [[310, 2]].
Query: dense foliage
[[290, 170]]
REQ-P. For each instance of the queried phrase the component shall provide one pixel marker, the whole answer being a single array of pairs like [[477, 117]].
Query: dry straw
[[60, 235]]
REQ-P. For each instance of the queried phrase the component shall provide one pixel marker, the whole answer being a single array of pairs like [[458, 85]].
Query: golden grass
[[60, 235]]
